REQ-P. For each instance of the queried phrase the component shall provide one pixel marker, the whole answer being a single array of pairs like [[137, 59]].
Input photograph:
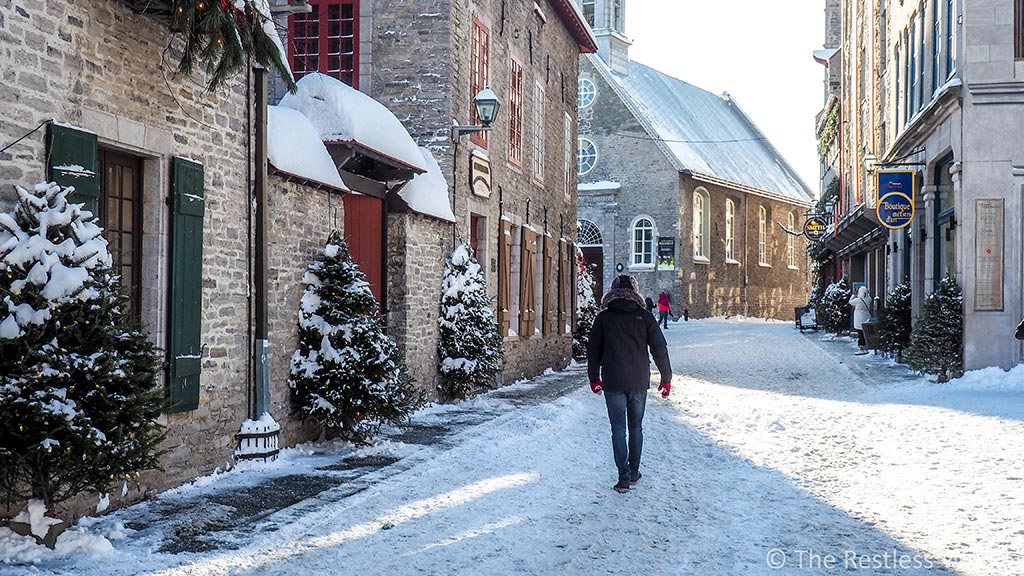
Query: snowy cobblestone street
[[777, 453]]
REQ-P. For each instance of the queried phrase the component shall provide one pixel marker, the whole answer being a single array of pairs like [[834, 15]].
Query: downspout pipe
[[261, 342]]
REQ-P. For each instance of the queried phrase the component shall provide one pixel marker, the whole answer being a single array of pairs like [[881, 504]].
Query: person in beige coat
[[861, 303]]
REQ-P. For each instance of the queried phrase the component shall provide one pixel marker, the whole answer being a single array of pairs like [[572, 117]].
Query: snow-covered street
[[777, 453]]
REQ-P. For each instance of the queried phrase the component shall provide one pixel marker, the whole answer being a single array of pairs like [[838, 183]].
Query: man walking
[[618, 363]]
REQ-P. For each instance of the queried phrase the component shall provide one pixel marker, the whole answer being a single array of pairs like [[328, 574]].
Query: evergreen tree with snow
[[347, 374], [893, 322], [586, 307], [471, 348], [78, 394], [833, 308], [937, 340]]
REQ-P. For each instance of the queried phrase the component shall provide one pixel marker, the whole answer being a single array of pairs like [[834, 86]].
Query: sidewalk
[[222, 512]]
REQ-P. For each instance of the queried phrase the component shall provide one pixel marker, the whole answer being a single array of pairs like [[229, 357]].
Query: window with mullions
[[588, 11], [643, 243], [762, 236], [119, 211], [701, 224], [585, 93], [480, 73], [945, 220], [586, 156], [326, 40], [791, 243], [730, 230], [951, 25], [515, 114]]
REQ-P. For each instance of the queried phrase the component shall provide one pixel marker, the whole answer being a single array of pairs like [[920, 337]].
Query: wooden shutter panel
[[504, 274], [72, 162], [186, 285], [573, 271], [545, 283], [527, 277], [563, 286]]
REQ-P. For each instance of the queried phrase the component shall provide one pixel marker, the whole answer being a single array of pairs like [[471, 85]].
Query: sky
[[759, 52]]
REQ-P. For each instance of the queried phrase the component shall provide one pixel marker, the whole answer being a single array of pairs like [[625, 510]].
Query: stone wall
[[427, 92], [744, 287], [417, 247], [97, 65], [300, 218]]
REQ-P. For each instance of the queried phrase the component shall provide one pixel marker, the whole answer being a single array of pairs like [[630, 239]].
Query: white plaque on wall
[[480, 176], [988, 254]]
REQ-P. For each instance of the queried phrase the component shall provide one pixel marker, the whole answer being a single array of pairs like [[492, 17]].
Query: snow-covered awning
[[294, 147], [427, 193], [344, 115]]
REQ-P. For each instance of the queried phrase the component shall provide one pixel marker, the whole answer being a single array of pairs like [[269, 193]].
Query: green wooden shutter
[[72, 162], [186, 304]]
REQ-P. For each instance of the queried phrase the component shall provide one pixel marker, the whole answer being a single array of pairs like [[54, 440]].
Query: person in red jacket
[[618, 364], [664, 309]]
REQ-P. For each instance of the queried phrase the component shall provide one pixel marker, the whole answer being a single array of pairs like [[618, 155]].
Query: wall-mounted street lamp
[[486, 104], [870, 162]]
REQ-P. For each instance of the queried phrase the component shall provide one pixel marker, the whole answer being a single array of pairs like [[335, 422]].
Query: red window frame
[[326, 40], [479, 67], [515, 112]]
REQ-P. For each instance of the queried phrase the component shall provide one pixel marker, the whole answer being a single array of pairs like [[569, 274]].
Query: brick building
[[679, 188], [512, 188]]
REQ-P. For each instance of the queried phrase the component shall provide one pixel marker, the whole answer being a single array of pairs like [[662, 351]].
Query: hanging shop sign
[[895, 208], [480, 176], [814, 228], [666, 253]]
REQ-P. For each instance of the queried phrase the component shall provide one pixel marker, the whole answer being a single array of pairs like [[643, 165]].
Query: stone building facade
[[656, 192], [426, 64], [96, 68], [932, 88]]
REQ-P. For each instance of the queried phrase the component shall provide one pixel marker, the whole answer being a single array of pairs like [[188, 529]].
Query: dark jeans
[[663, 318], [626, 410], [861, 341]]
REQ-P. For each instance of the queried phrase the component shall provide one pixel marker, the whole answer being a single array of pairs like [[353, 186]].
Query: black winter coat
[[617, 351]]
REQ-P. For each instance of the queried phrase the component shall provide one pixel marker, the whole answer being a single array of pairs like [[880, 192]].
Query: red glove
[[597, 386], [665, 388]]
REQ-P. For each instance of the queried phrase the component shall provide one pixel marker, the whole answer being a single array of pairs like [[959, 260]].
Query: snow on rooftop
[[294, 146], [602, 185], [342, 113], [427, 193]]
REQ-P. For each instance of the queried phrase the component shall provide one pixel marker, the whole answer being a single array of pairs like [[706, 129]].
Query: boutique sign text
[[895, 208]]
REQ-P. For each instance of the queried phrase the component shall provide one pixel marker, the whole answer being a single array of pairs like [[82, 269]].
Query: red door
[[364, 232]]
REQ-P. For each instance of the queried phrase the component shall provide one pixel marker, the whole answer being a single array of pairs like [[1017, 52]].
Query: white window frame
[[586, 232], [586, 93], [567, 163], [538, 132], [579, 155], [701, 225], [791, 244], [644, 258], [730, 232], [762, 237]]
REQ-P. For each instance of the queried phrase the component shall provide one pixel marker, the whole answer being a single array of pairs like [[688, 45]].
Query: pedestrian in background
[[664, 309], [861, 303], [617, 363], [649, 304]]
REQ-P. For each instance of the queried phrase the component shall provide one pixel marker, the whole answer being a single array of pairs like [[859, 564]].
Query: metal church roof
[[704, 133]]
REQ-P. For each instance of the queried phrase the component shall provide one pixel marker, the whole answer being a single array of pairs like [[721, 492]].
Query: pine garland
[[78, 393], [225, 36]]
